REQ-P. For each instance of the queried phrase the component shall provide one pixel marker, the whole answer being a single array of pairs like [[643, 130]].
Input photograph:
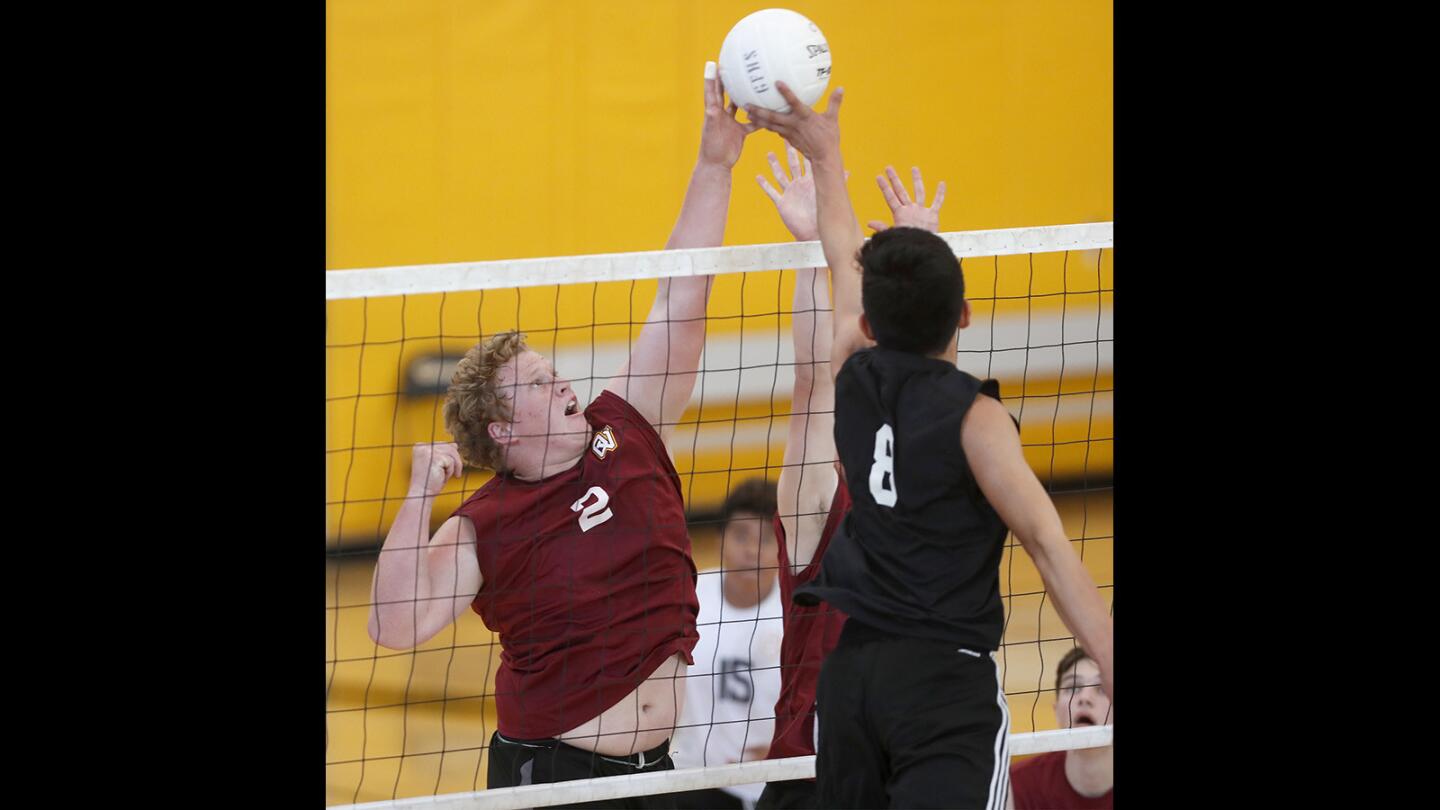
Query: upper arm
[[455, 578], [660, 373], [848, 336], [992, 448], [808, 478]]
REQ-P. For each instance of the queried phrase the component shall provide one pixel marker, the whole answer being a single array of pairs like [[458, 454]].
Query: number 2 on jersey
[[593, 516], [882, 472]]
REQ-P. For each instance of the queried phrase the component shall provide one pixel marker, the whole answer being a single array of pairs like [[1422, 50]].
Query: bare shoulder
[[458, 527], [986, 416]]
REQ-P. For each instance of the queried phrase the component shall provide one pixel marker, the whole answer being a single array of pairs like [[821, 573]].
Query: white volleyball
[[772, 45]]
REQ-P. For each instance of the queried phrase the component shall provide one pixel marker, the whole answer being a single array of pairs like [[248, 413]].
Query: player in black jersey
[[910, 708]]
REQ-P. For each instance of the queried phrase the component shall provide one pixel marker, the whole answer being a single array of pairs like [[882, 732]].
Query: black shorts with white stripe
[[910, 723]]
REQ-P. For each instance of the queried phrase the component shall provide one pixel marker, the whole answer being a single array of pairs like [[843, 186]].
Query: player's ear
[[500, 432], [865, 327], [964, 315]]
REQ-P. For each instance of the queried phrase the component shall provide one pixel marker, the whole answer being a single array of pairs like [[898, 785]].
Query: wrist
[[713, 166], [828, 162]]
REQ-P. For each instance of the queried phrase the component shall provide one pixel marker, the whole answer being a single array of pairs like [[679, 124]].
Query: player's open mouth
[[1082, 720], [571, 408]]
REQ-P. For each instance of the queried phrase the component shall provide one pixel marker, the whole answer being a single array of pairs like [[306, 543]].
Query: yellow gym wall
[[486, 129]]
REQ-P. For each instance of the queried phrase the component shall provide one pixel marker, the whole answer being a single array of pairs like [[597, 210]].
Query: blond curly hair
[[474, 400]]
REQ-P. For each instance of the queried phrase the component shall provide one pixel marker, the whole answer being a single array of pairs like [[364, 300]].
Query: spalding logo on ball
[[774, 45]]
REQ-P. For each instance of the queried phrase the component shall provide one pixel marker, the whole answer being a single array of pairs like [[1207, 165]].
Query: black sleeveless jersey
[[919, 553]]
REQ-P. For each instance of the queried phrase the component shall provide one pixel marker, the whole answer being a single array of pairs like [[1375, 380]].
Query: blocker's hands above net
[[906, 212], [816, 135]]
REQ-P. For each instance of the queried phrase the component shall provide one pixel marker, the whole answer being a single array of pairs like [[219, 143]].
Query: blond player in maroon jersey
[[576, 552]]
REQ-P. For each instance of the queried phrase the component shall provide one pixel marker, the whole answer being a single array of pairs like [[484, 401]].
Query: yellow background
[[468, 131]]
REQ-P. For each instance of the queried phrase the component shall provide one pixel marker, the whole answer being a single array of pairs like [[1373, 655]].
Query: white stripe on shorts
[[1000, 775]]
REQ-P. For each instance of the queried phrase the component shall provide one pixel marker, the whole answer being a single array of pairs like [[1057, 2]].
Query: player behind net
[[576, 551], [910, 706]]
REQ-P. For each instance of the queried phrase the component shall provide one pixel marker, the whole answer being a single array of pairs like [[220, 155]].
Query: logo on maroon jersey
[[604, 442]]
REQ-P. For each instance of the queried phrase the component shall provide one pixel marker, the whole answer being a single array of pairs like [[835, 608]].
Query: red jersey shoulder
[[614, 420]]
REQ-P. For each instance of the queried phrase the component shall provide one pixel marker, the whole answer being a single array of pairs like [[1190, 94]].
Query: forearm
[[1076, 599], [811, 326], [841, 239], [707, 203], [660, 374], [839, 234], [401, 591]]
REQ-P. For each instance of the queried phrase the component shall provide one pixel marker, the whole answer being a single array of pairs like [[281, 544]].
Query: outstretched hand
[[909, 213], [815, 135], [795, 201], [723, 135]]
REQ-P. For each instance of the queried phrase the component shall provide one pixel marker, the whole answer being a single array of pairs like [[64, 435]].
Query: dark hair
[[1067, 663], [912, 290], [755, 496]]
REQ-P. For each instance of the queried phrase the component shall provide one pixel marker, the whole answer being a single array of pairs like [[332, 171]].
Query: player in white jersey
[[729, 713]]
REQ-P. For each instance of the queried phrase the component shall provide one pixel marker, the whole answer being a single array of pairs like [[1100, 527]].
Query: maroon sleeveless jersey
[[1040, 783], [810, 635], [589, 580]]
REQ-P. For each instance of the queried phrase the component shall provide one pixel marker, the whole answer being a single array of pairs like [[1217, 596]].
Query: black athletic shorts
[[910, 723], [710, 799], [537, 762], [792, 794]]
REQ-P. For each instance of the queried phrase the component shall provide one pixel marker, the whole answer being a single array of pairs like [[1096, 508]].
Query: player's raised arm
[[992, 447], [660, 373], [420, 588], [808, 478], [817, 137]]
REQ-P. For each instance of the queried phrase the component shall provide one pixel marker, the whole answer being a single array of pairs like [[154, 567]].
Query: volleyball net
[[412, 728]]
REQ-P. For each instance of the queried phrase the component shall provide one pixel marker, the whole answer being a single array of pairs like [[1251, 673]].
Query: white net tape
[[512, 273], [647, 784]]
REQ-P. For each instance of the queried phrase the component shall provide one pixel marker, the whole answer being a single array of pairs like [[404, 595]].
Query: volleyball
[[772, 45]]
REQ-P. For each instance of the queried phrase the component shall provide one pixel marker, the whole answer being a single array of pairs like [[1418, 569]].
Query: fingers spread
[[889, 193], [900, 191], [876, 225], [768, 189], [775, 167], [919, 185], [794, 161], [833, 111], [939, 197]]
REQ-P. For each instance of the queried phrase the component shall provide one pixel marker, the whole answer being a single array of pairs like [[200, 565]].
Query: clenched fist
[[431, 465]]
